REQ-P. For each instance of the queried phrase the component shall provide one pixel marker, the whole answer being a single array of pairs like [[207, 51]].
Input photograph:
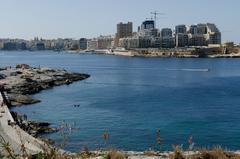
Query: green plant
[[7, 148]]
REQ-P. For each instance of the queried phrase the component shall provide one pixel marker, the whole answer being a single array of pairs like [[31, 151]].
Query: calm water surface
[[130, 98]]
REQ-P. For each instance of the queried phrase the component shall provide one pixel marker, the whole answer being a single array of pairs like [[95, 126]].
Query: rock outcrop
[[23, 80], [33, 128]]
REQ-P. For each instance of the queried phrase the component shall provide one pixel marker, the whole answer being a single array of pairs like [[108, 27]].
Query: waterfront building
[[21, 46], [105, 42], [13, 44], [214, 35], [70, 44], [166, 32], [58, 44], [1, 43], [181, 39], [123, 31], [83, 44], [10, 45], [92, 44], [155, 33], [148, 24], [129, 43], [156, 42], [214, 38], [168, 42], [145, 42], [180, 29], [193, 29], [123, 43], [204, 34], [149, 33], [48, 44], [40, 46], [74, 45], [202, 29], [135, 42], [197, 40], [167, 39]]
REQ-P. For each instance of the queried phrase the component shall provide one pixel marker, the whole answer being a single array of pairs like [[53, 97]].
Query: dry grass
[[216, 153], [115, 155], [150, 153], [177, 153]]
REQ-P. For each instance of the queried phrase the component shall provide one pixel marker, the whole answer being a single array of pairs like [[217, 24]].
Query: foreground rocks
[[23, 80], [33, 128]]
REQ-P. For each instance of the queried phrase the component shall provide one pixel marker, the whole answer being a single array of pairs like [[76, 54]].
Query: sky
[[90, 18]]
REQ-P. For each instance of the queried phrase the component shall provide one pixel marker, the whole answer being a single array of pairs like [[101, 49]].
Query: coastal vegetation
[[216, 152]]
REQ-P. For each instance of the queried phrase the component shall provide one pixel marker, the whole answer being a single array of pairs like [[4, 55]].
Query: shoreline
[[138, 53], [198, 52], [23, 81], [19, 83]]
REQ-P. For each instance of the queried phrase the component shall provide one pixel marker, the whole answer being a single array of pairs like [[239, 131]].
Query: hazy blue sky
[[91, 18]]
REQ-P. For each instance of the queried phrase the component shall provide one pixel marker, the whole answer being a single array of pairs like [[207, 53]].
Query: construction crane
[[149, 18], [155, 14]]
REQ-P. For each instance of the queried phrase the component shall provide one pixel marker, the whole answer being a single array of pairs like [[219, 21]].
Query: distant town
[[183, 40]]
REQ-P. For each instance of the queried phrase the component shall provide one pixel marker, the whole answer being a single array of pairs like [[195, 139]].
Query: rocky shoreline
[[23, 80], [34, 128]]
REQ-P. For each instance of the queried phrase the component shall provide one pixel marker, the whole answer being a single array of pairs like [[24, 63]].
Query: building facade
[[180, 29], [105, 42], [181, 40], [92, 44], [83, 44], [166, 32], [148, 24], [123, 30]]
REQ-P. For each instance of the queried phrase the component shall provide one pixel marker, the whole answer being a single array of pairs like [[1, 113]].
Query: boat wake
[[190, 70]]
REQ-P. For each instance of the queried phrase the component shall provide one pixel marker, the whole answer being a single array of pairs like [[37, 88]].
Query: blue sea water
[[131, 98]]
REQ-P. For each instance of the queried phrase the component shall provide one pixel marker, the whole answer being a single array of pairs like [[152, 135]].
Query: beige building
[[124, 30], [105, 42], [197, 40], [92, 44], [129, 43]]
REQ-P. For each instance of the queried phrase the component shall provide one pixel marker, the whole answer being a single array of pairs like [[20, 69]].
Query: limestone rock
[[24, 80], [22, 66]]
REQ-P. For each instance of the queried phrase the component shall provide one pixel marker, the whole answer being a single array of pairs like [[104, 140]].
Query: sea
[[137, 103]]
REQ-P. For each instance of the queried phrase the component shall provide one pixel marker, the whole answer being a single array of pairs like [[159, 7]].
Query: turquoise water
[[130, 98]]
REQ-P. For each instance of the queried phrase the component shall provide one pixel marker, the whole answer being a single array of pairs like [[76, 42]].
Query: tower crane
[[155, 14]]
